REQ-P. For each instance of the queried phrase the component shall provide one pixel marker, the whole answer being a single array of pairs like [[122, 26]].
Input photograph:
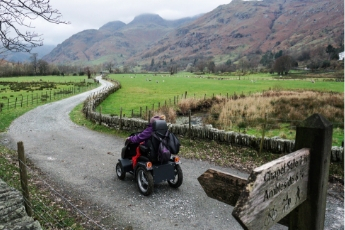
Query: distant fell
[[231, 31]]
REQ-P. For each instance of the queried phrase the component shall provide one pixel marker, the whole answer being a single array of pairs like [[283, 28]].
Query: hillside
[[114, 41], [248, 28], [240, 28]]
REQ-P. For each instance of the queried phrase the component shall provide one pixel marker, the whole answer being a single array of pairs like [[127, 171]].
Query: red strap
[[135, 158]]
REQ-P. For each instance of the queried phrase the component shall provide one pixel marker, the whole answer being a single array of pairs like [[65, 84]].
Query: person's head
[[158, 117]]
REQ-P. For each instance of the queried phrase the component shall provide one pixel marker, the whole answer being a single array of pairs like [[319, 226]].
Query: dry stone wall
[[274, 145], [12, 210]]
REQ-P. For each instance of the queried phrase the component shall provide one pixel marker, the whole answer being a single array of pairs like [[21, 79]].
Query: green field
[[21, 94], [140, 90], [150, 90]]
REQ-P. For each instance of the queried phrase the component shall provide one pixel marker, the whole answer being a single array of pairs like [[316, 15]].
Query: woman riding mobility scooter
[[142, 161]]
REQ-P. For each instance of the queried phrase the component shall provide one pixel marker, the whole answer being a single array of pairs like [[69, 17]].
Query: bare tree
[[43, 67], [283, 64], [109, 66], [18, 14]]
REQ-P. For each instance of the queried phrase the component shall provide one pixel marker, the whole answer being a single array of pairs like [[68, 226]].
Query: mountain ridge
[[230, 31]]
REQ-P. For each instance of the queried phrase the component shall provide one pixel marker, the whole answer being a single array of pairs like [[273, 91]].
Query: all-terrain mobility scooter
[[149, 170]]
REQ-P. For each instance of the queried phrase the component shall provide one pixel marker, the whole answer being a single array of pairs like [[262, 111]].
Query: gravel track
[[82, 162]]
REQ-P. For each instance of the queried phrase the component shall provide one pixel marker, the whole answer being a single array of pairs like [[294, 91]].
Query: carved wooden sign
[[273, 190], [222, 186]]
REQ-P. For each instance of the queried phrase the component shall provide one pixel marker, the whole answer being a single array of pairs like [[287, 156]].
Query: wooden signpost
[[273, 190], [293, 186]]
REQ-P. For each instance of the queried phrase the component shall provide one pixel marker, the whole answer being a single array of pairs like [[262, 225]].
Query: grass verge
[[47, 209]]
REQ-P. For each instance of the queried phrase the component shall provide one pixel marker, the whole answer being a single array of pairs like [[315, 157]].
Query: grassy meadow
[[21, 94], [140, 90], [152, 90]]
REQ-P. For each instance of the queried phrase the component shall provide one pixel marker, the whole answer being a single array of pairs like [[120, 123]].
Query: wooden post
[[132, 113], [149, 117], [190, 123], [146, 113], [140, 112], [24, 178], [120, 125], [100, 115], [315, 133], [263, 134]]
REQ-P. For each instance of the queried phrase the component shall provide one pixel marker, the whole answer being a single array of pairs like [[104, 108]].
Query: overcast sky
[[92, 14]]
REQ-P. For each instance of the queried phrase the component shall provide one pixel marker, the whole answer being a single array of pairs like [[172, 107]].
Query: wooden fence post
[[24, 178], [120, 125], [100, 115], [146, 113], [263, 134], [315, 133], [140, 112], [190, 123]]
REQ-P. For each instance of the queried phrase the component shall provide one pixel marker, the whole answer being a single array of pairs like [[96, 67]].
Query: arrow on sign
[[222, 186]]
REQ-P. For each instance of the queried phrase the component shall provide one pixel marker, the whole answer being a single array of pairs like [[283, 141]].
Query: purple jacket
[[143, 136]]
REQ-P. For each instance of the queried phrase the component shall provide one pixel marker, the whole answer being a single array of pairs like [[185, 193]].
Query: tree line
[[40, 67]]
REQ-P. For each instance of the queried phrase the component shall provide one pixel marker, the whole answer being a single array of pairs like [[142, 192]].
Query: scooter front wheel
[[120, 172]]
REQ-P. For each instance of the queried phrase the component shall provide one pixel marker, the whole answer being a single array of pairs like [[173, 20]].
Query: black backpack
[[164, 143]]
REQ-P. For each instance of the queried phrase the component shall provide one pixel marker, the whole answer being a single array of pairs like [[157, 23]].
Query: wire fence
[[43, 201], [35, 98]]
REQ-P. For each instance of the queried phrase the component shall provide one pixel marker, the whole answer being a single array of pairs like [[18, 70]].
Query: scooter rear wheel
[[175, 183], [144, 181]]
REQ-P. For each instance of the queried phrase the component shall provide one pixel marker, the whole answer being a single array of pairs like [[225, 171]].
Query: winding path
[[82, 162]]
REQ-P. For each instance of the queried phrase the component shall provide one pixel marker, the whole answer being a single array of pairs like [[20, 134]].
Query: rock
[[12, 210]]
